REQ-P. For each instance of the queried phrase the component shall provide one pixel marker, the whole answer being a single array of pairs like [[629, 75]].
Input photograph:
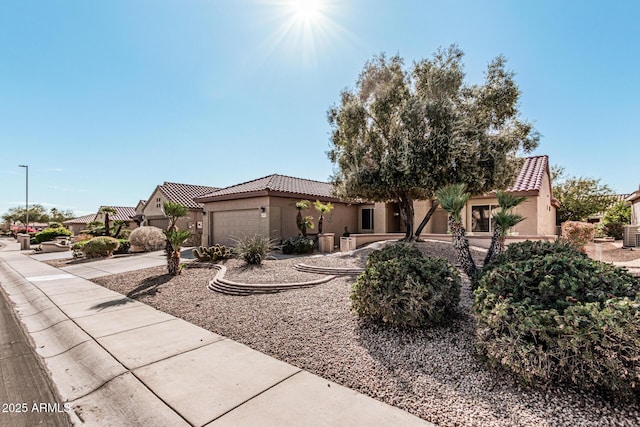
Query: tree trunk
[[173, 264], [496, 247], [461, 246], [405, 203], [320, 224], [426, 218], [106, 224]]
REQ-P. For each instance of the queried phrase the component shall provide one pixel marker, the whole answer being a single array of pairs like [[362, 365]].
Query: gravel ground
[[612, 251], [430, 373]]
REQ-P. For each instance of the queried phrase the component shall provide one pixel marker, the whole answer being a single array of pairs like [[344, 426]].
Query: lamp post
[[27, 198]]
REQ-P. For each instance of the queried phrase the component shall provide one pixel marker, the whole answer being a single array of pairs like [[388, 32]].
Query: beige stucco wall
[[635, 212], [546, 211], [279, 219]]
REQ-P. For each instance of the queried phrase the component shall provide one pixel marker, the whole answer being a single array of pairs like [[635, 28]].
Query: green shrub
[[124, 247], [102, 246], [49, 234], [148, 237], [615, 230], [297, 245], [406, 291], [212, 253], [394, 251], [253, 249], [550, 314]]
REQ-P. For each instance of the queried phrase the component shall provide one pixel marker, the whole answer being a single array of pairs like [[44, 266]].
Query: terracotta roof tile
[[185, 193], [531, 174], [277, 183], [85, 219]]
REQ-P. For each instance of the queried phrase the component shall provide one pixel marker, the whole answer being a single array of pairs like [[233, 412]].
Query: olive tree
[[402, 134]]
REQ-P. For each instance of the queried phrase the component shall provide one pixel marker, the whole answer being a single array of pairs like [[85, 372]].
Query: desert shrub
[[124, 247], [148, 237], [578, 233], [615, 230], [55, 225], [406, 291], [212, 253], [49, 234], [253, 249], [100, 247], [558, 316], [600, 230], [394, 251], [297, 245]]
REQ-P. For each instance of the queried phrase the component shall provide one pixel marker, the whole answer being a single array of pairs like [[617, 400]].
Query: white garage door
[[235, 224]]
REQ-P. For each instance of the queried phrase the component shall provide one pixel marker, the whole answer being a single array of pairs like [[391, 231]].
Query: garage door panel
[[235, 224]]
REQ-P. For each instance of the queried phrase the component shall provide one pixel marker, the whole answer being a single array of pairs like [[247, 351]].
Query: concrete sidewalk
[[121, 362]]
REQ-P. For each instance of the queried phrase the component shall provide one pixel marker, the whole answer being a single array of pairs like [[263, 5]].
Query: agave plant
[[453, 199], [175, 238]]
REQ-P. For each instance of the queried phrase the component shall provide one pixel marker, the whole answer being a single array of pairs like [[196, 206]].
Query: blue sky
[[105, 99]]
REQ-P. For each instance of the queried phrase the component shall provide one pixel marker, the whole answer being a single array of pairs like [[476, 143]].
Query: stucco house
[[123, 213], [151, 212], [76, 225], [631, 236], [267, 206]]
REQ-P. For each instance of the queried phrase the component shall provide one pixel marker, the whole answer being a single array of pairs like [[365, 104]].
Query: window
[[482, 218], [367, 219]]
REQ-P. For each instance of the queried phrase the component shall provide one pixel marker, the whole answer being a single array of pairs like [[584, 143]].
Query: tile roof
[[86, 219], [185, 193], [531, 174], [123, 213], [277, 183]]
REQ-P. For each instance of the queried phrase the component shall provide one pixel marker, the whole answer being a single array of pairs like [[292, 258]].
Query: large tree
[[403, 134], [579, 197], [37, 213]]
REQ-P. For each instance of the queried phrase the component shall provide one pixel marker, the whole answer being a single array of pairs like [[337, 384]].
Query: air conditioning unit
[[631, 236]]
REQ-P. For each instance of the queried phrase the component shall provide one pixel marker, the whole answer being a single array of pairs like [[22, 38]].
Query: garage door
[[235, 224]]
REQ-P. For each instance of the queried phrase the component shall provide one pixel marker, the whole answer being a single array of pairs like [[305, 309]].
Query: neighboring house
[[151, 212], [76, 225], [267, 206], [631, 237], [615, 198], [138, 218]]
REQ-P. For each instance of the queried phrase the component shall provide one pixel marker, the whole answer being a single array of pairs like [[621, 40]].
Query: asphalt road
[[27, 397]]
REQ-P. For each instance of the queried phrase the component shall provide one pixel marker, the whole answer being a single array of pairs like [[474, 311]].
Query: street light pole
[[27, 190]]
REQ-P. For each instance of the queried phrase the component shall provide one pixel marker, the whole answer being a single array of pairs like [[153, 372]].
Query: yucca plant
[[175, 238], [503, 219], [453, 199]]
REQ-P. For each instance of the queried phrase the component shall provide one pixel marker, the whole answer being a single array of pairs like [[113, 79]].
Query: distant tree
[[579, 197], [619, 212], [401, 135], [57, 215], [37, 213]]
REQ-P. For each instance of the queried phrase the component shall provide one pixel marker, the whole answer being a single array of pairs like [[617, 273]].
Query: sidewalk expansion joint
[[253, 397]]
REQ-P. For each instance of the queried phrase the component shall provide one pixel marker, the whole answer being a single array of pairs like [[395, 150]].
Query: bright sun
[[307, 10]]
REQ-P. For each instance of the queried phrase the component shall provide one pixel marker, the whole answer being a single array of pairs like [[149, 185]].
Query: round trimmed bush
[[50, 234], [406, 291], [394, 251], [148, 237], [102, 246], [548, 313]]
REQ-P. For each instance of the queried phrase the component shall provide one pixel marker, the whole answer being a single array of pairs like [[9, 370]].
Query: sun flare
[[307, 10]]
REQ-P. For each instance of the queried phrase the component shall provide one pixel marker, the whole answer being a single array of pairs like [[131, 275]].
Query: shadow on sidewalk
[[149, 286]]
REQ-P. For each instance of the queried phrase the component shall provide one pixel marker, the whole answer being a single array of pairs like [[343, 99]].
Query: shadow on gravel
[[149, 286]]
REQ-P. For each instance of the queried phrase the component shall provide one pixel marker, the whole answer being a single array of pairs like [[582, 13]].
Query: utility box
[[347, 244], [325, 242], [25, 241]]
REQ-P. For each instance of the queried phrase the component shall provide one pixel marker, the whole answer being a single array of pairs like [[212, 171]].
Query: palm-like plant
[[453, 199], [303, 222], [175, 238], [323, 209], [503, 219]]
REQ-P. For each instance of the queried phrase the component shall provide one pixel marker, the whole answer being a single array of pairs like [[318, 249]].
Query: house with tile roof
[[76, 225], [150, 212], [267, 206]]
